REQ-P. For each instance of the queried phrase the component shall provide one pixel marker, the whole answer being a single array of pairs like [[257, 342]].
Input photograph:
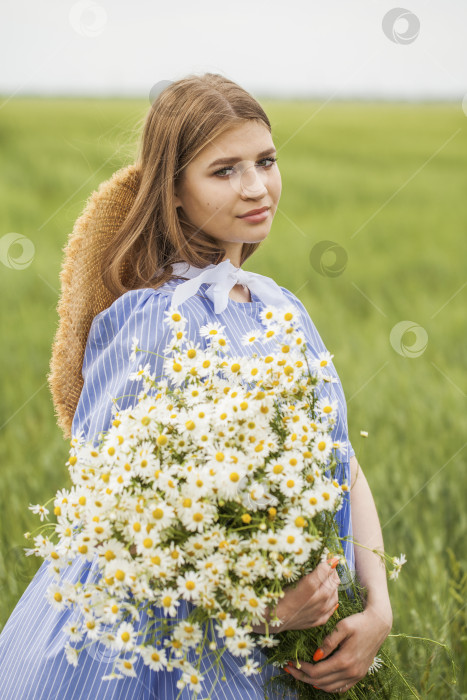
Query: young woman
[[180, 220]]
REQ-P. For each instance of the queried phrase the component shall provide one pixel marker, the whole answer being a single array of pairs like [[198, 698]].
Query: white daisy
[[291, 484], [197, 516], [134, 347], [250, 338], [71, 654], [39, 510], [190, 585], [127, 666], [73, 631], [193, 679], [241, 644], [111, 676], [162, 514], [56, 597], [168, 601], [376, 664], [211, 330], [268, 641], [251, 667], [398, 563], [326, 407], [154, 657], [189, 633], [321, 362], [322, 446], [126, 636], [142, 370], [93, 628]]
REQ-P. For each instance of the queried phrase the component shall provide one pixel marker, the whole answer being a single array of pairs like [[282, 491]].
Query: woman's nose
[[251, 183]]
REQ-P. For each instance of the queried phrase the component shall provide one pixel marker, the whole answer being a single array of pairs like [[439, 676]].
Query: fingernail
[[337, 605], [318, 655], [315, 686], [333, 562], [286, 670], [290, 663]]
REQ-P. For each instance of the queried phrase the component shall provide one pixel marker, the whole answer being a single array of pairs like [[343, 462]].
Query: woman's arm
[[370, 568], [367, 531], [355, 639]]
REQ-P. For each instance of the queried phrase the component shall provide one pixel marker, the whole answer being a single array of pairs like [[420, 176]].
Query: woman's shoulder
[[295, 300], [146, 302], [130, 301], [142, 313], [307, 322]]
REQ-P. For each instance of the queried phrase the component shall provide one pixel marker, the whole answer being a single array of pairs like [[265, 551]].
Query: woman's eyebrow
[[235, 159]]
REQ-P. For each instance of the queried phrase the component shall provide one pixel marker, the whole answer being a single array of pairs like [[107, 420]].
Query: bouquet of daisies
[[200, 504]]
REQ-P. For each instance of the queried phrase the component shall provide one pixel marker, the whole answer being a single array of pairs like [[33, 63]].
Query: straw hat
[[83, 294]]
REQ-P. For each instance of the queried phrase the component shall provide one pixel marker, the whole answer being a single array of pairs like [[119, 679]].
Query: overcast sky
[[299, 48]]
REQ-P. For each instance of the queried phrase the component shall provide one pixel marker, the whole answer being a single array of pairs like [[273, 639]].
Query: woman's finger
[[329, 683]]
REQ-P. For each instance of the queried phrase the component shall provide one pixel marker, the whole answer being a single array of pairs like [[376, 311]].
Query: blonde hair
[[185, 117]]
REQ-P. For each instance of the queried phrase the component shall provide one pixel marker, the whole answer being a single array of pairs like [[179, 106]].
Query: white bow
[[221, 278]]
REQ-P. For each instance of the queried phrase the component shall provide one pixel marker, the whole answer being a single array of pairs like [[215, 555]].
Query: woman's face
[[213, 196]]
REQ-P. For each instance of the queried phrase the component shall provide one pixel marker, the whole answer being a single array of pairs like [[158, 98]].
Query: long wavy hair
[[184, 118]]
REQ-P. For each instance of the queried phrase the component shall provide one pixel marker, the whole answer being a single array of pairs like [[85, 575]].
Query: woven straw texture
[[83, 294]]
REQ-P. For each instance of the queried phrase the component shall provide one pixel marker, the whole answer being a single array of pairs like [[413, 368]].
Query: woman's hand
[[358, 637], [308, 604]]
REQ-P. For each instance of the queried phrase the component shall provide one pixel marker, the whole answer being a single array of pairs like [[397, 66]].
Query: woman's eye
[[273, 160]]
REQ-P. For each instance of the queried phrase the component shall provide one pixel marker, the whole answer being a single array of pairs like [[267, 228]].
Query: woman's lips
[[256, 218]]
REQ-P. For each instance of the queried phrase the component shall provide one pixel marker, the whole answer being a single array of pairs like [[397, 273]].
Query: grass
[[385, 182]]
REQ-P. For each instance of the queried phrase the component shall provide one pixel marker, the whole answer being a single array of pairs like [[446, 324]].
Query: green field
[[386, 182]]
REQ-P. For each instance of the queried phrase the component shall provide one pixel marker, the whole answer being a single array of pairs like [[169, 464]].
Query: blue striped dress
[[33, 665]]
